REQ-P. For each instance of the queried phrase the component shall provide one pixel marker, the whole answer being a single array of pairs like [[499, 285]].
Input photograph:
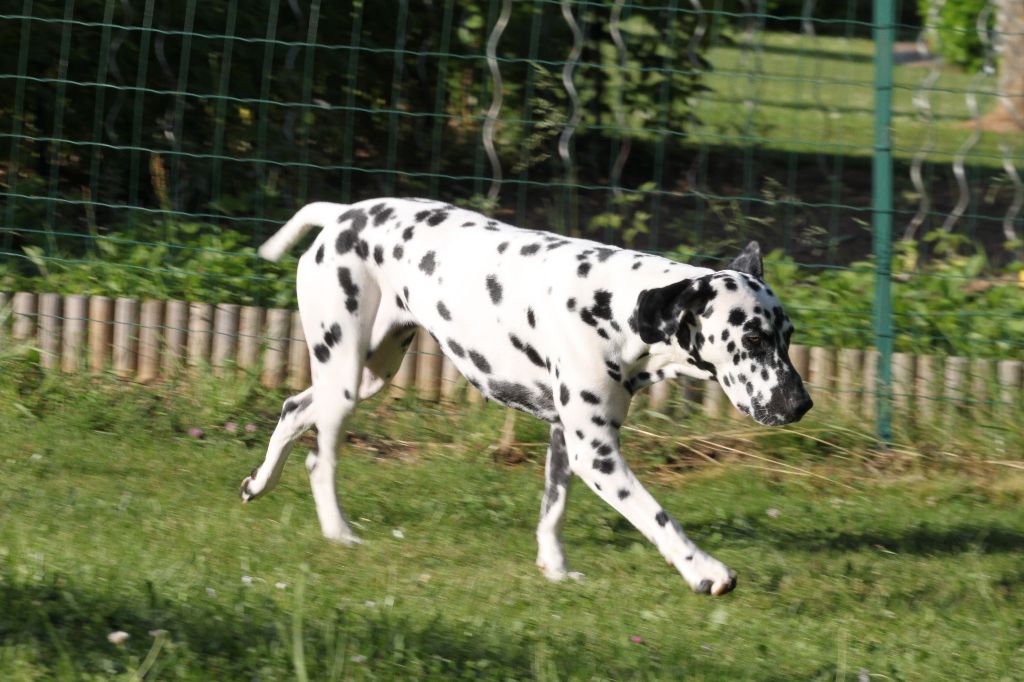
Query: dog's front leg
[[594, 456]]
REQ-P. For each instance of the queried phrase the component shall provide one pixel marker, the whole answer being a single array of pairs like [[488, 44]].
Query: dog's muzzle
[[788, 404]]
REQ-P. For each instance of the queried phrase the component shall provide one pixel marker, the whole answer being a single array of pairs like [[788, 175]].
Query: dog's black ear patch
[[659, 312], [749, 261], [656, 316]]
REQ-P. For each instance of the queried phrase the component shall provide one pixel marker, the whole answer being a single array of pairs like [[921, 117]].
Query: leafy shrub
[[952, 30], [208, 263]]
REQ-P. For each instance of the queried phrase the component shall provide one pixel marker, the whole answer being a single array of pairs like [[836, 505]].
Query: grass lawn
[[816, 94], [114, 519]]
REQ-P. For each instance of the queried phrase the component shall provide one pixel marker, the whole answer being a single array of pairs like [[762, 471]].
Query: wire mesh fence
[[150, 146]]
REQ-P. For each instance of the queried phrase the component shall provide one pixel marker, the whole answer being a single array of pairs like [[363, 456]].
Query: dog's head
[[730, 325]]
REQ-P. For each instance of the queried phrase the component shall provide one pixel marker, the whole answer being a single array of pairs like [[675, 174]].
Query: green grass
[[113, 519], [816, 95]]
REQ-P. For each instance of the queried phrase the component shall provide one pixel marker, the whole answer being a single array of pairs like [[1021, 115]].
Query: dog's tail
[[317, 214]]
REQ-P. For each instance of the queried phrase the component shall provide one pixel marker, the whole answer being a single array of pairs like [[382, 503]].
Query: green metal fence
[[872, 148]]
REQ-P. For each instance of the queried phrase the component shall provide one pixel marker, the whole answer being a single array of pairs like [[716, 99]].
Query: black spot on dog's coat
[[428, 263], [530, 318], [589, 397], [584, 269], [563, 394], [362, 249], [398, 252], [661, 517], [529, 249], [345, 280], [437, 218], [494, 289], [357, 216], [332, 335], [378, 254], [320, 255], [602, 304], [456, 348], [443, 311], [605, 466], [737, 317], [321, 352], [526, 348], [293, 405], [346, 241], [480, 362]]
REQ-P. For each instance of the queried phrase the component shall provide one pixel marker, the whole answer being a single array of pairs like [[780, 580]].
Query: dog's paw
[[717, 589], [707, 575], [557, 575], [345, 539], [245, 490]]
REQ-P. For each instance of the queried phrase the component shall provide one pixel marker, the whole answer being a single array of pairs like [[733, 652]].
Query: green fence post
[[881, 204]]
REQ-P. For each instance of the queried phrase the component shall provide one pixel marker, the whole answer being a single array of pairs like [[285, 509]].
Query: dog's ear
[[749, 261], [659, 311]]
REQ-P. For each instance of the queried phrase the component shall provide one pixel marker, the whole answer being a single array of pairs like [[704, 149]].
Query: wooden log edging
[[150, 340]]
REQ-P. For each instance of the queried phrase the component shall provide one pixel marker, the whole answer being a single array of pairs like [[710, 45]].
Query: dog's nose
[[802, 407]]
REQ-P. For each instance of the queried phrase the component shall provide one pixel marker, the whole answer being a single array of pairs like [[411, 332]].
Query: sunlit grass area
[[816, 94], [852, 560]]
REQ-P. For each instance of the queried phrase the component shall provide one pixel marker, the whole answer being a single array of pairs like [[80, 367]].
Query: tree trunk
[[1009, 115]]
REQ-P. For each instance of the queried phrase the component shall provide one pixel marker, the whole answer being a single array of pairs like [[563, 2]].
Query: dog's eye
[[753, 339]]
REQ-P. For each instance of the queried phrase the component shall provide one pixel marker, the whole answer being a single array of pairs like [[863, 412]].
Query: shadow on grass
[[921, 540], [231, 637]]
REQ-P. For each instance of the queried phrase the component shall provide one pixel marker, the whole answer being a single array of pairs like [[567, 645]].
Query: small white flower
[[210, 592], [280, 585], [118, 637], [389, 601], [370, 604], [358, 658], [35, 457], [247, 580], [773, 513], [397, 532]]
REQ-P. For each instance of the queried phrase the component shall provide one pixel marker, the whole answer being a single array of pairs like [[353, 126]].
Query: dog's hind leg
[[557, 476], [338, 307], [296, 418]]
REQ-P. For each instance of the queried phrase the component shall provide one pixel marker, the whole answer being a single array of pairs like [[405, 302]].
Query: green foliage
[[628, 219], [952, 29], [205, 263]]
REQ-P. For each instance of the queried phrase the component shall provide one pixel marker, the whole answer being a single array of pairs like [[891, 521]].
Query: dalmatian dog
[[567, 330]]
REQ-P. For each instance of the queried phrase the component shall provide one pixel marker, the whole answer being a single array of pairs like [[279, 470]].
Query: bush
[[953, 32]]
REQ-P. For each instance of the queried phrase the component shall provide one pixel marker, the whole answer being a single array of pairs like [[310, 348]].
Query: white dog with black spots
[[567, 330]]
